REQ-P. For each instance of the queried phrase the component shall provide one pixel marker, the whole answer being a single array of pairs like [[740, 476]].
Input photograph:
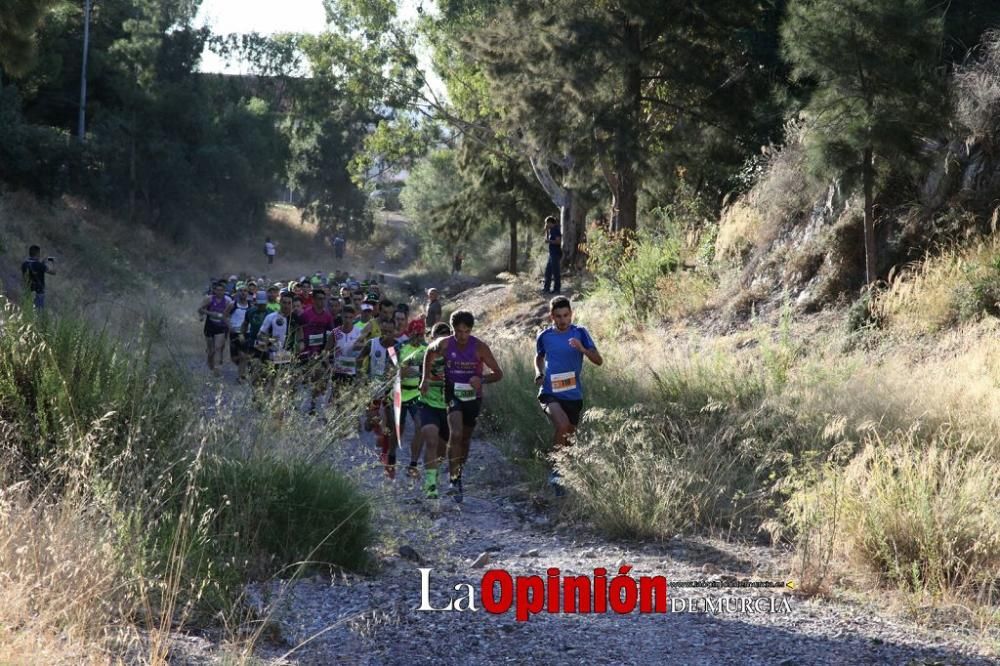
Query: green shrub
[[631, 265], [918, 513], [59, 377], [981, 291], [279, 513]]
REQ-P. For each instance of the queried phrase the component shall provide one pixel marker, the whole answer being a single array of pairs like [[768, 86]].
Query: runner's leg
[[560, 422]]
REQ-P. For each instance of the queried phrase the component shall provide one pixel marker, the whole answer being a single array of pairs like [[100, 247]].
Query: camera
[[50, 258]]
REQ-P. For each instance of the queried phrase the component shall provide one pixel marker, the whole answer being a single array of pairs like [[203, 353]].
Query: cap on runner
[[416, 327], [367, 306], [262, 297]]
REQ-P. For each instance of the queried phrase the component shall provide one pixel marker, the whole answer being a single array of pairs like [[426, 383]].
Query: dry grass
[[955, 285], [739, 230], [65, 587]]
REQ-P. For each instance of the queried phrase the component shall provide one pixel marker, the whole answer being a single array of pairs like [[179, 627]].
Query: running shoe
[[456, 490], [557, 485], [430, 484]]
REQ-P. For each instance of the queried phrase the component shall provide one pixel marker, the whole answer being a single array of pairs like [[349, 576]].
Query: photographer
[[33, 271]]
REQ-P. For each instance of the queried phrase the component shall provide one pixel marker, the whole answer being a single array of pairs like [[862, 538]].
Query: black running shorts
[[436, 417], [573, 408]]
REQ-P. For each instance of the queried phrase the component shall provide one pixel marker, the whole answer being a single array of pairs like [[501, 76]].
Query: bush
[[635, 476], [59, 379], [284, 512], [260, 518], [632, 264], [913, 512], [977, 90]]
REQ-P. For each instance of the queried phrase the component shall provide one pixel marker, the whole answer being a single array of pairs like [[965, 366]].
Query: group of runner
[[348, 339]]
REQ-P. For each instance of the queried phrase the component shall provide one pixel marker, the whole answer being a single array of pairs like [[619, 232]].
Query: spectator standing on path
[[339, 244], [553, 238], [456, 264], [269, 250], [33, 271], [433, 308]]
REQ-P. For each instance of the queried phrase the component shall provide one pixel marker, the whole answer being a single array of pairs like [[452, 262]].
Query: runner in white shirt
[[344, 347], [273, 333]]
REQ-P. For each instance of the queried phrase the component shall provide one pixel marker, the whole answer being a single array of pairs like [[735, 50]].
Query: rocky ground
[[375, 619]]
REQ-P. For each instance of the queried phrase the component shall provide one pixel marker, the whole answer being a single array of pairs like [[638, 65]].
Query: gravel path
[[373, 620]]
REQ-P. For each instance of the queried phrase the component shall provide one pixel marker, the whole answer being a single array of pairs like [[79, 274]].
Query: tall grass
[[881, 460], [112, 517]]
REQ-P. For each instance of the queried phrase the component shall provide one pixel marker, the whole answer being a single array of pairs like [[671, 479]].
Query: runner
[[465, 356], [375, 357], [316, 325], [213, 309], [434, 416], [411, 358], [559, 354], [236, 313], [272, 340], [272, 298], [367, 320], [399, 317], [251, 325], [343, 347]]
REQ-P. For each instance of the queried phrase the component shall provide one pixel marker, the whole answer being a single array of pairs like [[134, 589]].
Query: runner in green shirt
[[411, 356], [434, 417]]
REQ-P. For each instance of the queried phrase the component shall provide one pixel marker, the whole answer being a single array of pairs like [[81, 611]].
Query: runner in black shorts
[[559, 354], [464, 358]]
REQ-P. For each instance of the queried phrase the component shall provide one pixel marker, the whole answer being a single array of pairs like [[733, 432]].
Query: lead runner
[[464, 358], [559, 353]]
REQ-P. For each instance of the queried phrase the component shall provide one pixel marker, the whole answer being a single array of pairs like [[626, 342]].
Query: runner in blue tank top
[[559, 353], [464, 357]]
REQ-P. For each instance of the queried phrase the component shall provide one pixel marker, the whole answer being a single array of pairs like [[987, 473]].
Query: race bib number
[[281, 357], [345, 365], [464, 392], [315, 340], [563, 381], [215, 316]]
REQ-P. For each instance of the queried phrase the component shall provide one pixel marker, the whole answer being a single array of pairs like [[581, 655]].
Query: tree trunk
[[512, 256], [625, 185], [625, 201], [573, 220], [868, 176]]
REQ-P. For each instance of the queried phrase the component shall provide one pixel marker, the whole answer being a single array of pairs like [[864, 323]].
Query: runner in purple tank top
[[214, 309], [464, 357]]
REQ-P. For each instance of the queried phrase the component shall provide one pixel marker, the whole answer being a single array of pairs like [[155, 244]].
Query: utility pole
[[81, 126]]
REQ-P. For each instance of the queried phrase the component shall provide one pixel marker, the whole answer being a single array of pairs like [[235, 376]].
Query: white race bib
[[281, 357], [563, 381], [316, 340], [345, 365], [464, 392]]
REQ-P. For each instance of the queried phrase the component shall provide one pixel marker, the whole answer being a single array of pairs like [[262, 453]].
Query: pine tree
[[874, 64], [19, 19]]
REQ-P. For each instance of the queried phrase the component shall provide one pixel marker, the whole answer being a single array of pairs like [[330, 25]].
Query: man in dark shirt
[[553, 238], [433, 308], [33, 271]]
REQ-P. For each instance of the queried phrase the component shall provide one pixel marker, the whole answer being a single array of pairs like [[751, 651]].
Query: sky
[[270, 16], [263, 16]]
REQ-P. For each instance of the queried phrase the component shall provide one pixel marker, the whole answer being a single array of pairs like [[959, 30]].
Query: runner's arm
[[539, 369], [594, 356], [202, 311], [425, 374], [486, 356]]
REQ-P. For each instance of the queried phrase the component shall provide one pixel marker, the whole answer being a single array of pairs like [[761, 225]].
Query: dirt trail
[[501, 524]]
